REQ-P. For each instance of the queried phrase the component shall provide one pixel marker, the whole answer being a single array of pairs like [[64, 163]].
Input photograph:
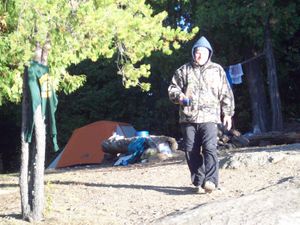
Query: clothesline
[[249, 60], [254, 57], [235, 72]]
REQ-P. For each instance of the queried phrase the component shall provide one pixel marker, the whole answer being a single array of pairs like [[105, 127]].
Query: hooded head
[[203, 51]]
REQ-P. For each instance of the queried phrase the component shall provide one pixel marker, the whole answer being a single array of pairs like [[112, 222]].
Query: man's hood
[[203, 42]]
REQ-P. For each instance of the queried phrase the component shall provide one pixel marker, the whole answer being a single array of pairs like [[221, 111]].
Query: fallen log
[[115, 146], [274, 138]]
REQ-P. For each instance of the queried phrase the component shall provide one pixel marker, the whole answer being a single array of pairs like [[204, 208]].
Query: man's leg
[[192, 152], [209, 133]]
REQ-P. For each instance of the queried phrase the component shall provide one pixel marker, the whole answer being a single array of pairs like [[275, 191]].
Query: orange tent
[[84, 146]]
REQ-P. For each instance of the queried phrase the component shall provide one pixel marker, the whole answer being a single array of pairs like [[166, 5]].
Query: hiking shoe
[[209, 186]]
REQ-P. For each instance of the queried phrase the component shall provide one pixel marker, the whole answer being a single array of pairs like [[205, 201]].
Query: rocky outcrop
[[277, 205]]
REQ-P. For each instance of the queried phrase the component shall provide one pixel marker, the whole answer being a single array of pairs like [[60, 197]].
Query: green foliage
[[237, 28], [76, 30], [69, 83], [241, 24]]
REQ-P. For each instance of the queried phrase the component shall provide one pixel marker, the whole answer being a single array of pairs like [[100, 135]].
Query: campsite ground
[[156, 191]]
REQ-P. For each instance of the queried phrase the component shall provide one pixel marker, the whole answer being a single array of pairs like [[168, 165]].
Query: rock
[[276, 207], [255, 159]]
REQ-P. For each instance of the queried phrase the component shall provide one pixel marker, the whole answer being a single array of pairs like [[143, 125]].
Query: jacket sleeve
[[176, 86], [226, 96]]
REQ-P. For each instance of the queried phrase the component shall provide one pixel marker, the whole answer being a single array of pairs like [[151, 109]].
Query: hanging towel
[[237, 80], [236, 70], [236, 73]]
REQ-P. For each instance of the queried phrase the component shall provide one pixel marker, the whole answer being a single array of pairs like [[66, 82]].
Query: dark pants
[[203, 164]]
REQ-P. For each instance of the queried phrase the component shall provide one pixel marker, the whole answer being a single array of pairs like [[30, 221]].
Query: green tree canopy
[[75, 30]]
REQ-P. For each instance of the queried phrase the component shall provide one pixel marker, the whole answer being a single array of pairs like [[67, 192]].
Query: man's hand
[[227, 122]]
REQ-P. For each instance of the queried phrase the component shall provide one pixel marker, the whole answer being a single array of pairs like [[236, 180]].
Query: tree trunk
[[257, 95], [38, 165], [277, 123], [23, 179], [32, 157]]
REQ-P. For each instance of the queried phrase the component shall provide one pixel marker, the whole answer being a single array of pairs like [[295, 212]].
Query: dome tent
[[84, 146]]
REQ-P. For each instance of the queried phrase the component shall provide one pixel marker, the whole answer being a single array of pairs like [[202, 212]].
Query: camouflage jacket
[[208, 89]]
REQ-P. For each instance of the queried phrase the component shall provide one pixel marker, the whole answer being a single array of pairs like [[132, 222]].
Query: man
[[201, 89]]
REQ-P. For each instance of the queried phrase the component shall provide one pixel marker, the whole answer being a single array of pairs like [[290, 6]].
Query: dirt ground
[[149, 192]]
